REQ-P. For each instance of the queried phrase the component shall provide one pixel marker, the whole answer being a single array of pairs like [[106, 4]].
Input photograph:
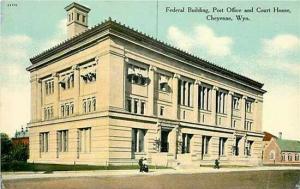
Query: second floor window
[[67, 109], [48, 113], [67, 81], [236, 103], [221, 98], [89, 105], [248, 125], [185, 93], [248, 106], [49, 87], [136, 106]]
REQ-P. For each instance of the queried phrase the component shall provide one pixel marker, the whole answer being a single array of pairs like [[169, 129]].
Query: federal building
[[110, 94]]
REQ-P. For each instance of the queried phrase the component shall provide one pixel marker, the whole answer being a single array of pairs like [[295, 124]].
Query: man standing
[[141, 164]]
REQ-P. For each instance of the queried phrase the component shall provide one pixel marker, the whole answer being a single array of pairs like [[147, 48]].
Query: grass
[[48, 168]]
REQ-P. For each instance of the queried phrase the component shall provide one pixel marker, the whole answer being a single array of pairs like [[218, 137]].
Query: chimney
[[77, 19], [280, 135]]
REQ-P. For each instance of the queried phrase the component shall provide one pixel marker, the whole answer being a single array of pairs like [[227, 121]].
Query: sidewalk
[[123, 173]]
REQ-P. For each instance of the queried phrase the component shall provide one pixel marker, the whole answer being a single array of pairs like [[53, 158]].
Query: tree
[[6, 147]]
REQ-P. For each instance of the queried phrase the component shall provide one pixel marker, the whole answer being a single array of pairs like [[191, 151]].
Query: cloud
[[281, 45], [202, 38]]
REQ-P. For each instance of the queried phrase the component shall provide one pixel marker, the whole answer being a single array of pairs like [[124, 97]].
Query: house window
[[272, 155], [236, 103], [222, 143], [142, 108], [186, 143], [163, 83], [84, 140], [138, 136], [89, 105], [203, 100], [128, 106], [161, 112], [48, 113], [62, 140], [44, 141], [290, 157], [248, 148], [185, 93], [221, 98], [67, 109], [83, 18], [205, 144], [283, 157], [137, 75], [248, 126], [248, 106], [296, 157], [49, 87]]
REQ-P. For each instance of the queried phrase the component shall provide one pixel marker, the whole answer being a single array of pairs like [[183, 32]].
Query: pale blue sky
[[265, 48]]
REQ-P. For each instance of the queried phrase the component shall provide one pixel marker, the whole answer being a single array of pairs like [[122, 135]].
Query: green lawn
[[23, 166]]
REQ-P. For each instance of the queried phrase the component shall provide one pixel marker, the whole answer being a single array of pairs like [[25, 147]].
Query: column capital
[[244, 97], [231, 93], [75, 67], [197, 82], [97, 58], [54, 74], [215, 88], [176, 76], [39, 80], [153, 68]]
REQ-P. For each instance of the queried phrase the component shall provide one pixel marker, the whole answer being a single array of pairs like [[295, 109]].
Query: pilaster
[[175, 95], [243, 112], [195, 101], [229, 109], [77, 106], [56, 95], [214, 105], [151, 90]]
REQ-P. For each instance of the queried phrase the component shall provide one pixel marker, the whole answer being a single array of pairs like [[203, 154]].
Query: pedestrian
[[145, 166], [141, 164], [217, 164]]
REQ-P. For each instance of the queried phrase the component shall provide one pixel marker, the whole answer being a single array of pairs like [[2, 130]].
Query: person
[[217, 164], [141, 164], [145, 166]]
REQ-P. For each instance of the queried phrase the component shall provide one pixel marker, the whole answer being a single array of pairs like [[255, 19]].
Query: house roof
[[136, 35], [289, 145], [268, 136]]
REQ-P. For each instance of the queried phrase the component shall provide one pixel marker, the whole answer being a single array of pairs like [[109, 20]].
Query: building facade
[[110, 94], [281, 151]]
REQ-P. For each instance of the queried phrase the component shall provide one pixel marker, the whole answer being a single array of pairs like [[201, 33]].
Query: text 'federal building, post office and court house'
[[111, 94]]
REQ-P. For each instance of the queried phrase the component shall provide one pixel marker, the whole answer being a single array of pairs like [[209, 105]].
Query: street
[[265, 179]]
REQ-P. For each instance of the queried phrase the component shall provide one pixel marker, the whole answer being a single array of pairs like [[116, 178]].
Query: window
[[163, 83], [283, 157], [62, 140], [221, 98], [248, 148], [186, 143], [142, 108], [69, 17], [222, 143], [248, 125], [89, 105], [49, 87], [205, 144], [78, 16], [236, 103], [290, 157], [138, 136], [235, 148], [296, 157], [137, 75], [83, 18], [248, 106], [84, 140], [128, 106], [203, 98], [185, 93], [67, 81], [135, 106], [272, 155], [44, 141], [161, 112], [48, 113], [233, 123], [67, 109]]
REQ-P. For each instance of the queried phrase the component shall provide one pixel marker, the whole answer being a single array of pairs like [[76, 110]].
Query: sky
[[266, 48]]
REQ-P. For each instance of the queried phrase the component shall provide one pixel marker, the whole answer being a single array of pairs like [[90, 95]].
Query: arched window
[[272, 155]]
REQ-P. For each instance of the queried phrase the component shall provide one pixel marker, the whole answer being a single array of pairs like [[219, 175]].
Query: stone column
[[229, 109], [243, 112], [214, 106], [175, 96], [39, 98], [151, 90], [196, 96], [77, 105], [186, 87], [56, 94]]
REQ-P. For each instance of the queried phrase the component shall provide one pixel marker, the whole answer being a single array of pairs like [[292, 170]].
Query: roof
[[268, 136], [21, 134], [78, 6], [289, 145], [114, 26]]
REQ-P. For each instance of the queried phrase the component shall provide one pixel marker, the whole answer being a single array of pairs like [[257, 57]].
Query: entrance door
[[164, 141]]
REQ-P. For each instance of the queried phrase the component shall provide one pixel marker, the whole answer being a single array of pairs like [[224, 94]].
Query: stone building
[[111, 94]]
